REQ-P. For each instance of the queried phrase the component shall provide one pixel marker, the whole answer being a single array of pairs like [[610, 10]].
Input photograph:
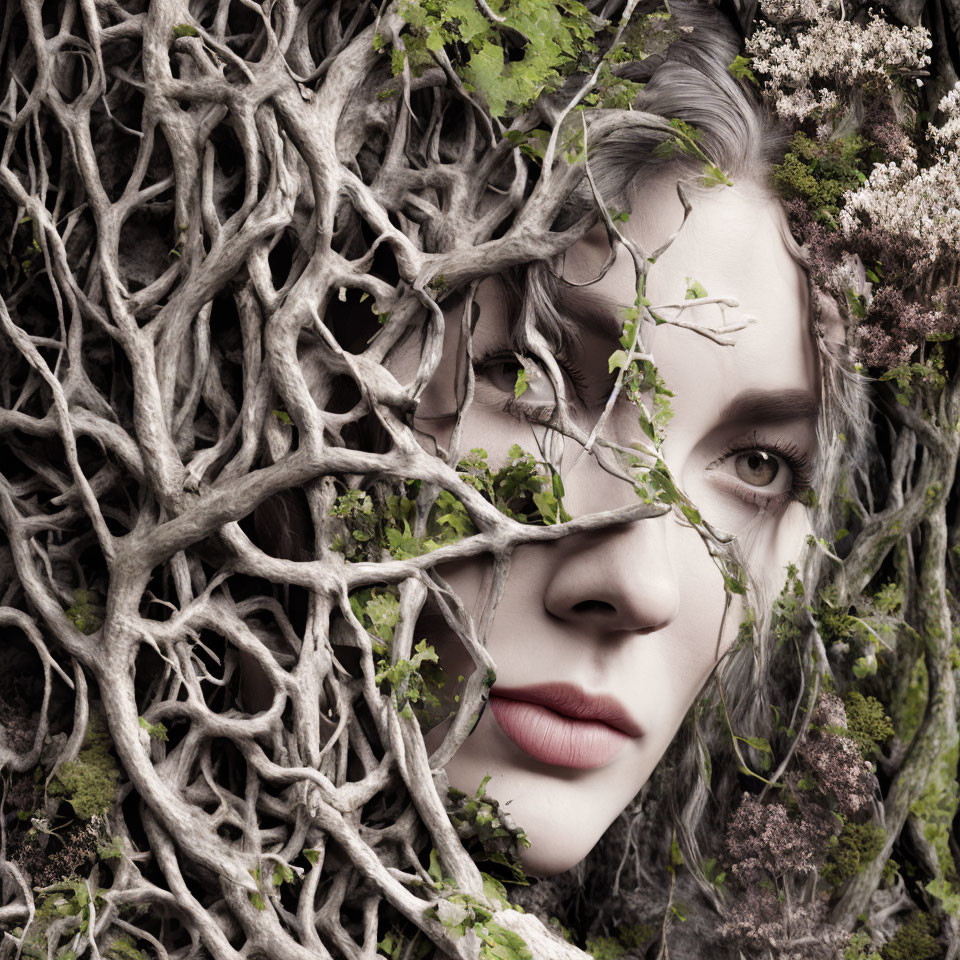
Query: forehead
[[733, 244]]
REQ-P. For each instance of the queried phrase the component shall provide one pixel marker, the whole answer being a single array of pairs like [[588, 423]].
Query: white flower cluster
[[906, 200], [791, 11], [948, 135], [805, 68]]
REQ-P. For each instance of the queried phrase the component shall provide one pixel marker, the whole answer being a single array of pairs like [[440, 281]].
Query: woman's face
[[603, 641]]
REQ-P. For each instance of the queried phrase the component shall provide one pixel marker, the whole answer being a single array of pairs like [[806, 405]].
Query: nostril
[[594, 606]]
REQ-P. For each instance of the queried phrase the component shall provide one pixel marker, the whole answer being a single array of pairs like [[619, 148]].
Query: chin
[[556, 847], [562, 812]]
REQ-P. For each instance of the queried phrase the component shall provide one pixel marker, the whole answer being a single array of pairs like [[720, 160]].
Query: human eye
[[498, 373], [765, 473]]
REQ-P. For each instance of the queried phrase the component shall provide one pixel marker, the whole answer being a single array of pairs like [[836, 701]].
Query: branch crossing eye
[[502, 372]]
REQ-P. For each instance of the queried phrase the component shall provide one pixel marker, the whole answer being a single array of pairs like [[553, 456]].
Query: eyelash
[[789, 453]]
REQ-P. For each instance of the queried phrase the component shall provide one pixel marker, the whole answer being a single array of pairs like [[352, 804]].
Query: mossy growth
[[834, 620], [157, 731], [90, 782], [488, 832], [56, 903], [858, 947], [789, 611], [821, 172], [934, 812], [908, 697], [851, 851], [123, 948], [867, 723], [605, 948], [87, 611], [914, 940]]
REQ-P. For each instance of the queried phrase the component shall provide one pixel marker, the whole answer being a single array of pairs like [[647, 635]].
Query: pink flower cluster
[[833, 759], [895, 328], [774, 846], [765, 839]]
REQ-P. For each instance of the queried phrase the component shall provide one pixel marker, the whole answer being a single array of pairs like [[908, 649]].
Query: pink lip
[[559, 724]]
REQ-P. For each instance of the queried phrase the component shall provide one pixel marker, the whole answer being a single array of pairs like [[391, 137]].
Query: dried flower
[[807, 72]]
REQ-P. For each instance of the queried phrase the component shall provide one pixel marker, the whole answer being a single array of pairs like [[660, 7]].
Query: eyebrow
[[771, 406], [594, 310]]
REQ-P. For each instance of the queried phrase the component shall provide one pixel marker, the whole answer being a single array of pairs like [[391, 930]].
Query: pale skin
[[635, 612]]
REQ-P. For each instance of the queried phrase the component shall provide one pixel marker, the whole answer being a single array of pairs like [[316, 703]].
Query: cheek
[[706, 625]]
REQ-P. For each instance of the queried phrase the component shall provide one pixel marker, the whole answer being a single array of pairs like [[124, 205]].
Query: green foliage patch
[[914, 940], [414, 683], [377, 524], [90, 782], [87, 611], [866, 722], [856, 846], [487, 831], [492, 60], [68, 901], [820, 172]]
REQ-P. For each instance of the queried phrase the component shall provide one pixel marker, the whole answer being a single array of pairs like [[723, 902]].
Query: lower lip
[[554, 738]]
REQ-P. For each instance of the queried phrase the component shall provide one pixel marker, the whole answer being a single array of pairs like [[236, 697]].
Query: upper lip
[[572, 701]]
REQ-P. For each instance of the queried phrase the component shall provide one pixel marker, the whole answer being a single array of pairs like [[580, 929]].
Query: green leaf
[[434, 869], [521, 386], [695, 290], [617, 360], [313, 856], [495, 891], [502, 944], [758, 743], [283, 417], [742, 69], [484, 74], [734, 585], [185, 30], [156, 730], [713, 176]]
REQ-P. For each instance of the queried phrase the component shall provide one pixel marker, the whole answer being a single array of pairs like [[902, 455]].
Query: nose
[[618, 580]]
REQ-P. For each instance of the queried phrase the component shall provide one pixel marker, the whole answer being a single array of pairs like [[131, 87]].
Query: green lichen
[[914, 940], [935, 811], [90, 782], [909, 699], [867, 723]]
